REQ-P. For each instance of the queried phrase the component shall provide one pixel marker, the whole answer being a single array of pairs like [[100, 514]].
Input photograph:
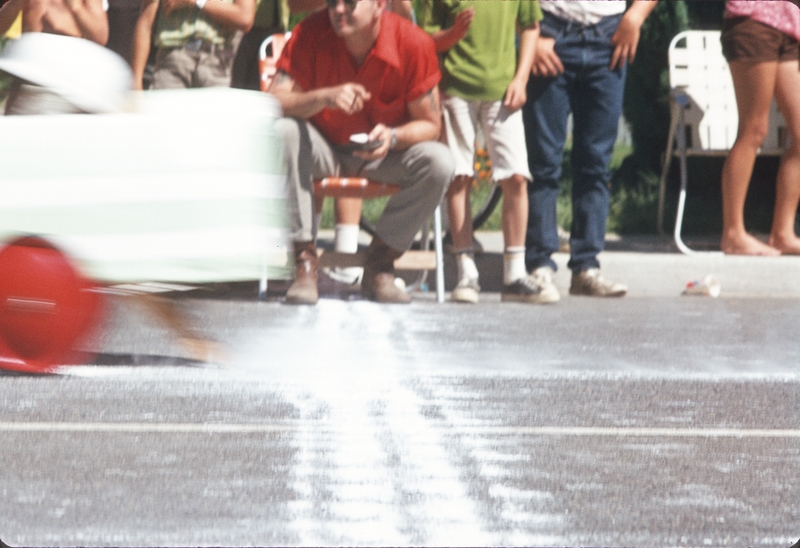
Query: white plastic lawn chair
[[704, 118]]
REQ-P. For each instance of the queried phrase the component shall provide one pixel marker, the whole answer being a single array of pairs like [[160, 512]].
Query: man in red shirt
[[356, 68]]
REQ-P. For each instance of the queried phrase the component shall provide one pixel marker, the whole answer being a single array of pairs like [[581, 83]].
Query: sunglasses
[[349, 4]]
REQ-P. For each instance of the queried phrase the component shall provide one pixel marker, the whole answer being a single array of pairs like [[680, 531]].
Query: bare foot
[[747, 245], [787, 246]]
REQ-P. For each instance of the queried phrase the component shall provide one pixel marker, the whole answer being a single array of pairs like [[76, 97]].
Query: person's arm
[[142, 38], [449, 37], [239, 15], [516, 94], [298, 103], [425, 125], [626, 37], [91, 19], [9, 13]]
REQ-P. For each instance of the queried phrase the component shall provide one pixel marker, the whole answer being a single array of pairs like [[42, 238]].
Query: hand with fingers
[[547, 63], [348, 97], [380, 133], [516, 94], [463, 21], [625, 40]]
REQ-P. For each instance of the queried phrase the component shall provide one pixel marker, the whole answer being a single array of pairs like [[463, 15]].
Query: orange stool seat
[[353, 187]]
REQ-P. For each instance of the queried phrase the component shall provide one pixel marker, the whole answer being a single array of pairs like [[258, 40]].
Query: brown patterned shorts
[[745, 39]]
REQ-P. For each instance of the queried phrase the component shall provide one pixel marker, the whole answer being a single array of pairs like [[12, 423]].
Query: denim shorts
[[745, 39]]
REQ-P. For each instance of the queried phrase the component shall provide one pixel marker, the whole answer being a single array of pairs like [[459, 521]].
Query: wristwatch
[[393, 142], [200, 4]]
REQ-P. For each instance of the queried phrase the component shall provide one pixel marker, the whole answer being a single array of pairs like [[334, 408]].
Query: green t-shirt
[[482, 64], [187, 24]]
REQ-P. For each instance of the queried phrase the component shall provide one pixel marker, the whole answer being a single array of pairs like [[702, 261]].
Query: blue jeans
[[593, 93]]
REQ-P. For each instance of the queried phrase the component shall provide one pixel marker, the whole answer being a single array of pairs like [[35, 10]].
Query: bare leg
[[193, 343], [348, 211], [459, 211], [787, 194], [515, 210], [755, 86]]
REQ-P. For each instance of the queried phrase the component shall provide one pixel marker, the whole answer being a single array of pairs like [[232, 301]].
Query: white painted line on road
[[144, 427], [638, 432], [230, 428]]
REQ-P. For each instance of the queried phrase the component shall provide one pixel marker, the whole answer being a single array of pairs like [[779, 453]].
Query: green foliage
[[645, 106]]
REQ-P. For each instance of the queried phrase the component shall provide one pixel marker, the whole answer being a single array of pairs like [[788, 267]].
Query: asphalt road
[[640, 421]]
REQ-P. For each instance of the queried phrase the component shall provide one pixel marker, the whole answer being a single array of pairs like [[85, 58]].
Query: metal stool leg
[[437, 243]]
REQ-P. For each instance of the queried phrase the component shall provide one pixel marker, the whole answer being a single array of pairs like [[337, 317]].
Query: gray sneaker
[[591, 283], [537, 287], [466, 291]]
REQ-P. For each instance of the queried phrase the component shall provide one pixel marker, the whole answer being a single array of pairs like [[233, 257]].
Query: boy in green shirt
[[484, 81]]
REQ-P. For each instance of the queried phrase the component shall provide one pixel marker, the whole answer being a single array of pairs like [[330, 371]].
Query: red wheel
[[46, 307]]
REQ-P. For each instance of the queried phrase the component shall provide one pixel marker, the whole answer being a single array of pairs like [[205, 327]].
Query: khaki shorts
[[748, 40], [503, 131]]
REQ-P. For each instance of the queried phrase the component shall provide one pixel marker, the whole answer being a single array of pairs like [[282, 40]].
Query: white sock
[[346, 239], [465, 261], [514, 264]]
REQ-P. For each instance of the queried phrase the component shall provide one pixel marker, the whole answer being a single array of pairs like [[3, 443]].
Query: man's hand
[[625, 41], [378, 133], [626, 38], [547, 63], [349, 97], [516, 95]]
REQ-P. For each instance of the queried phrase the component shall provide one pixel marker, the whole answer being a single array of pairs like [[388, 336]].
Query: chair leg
[[437, 243], [684, 177], [422, 277], [662, 184], [681, 138]]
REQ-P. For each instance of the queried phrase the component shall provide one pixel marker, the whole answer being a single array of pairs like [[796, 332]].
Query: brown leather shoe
[[304, 288], [377, 283]]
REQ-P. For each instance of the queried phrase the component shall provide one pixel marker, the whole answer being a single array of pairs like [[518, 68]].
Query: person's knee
[[515, 185], [439, 165], [459, 184], [753, 133], [288, 129]]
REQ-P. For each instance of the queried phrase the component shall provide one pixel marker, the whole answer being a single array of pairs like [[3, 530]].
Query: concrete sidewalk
[[650, 265]]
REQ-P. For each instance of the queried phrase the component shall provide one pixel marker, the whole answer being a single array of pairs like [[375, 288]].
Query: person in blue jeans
[[580, 65]]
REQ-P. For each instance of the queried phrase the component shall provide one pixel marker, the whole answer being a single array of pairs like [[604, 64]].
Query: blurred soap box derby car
[[183, 187]]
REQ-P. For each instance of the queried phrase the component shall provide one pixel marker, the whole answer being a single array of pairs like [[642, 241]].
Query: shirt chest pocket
[[390, 113]]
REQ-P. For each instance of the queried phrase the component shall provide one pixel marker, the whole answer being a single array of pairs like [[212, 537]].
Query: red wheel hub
[[46, 307]]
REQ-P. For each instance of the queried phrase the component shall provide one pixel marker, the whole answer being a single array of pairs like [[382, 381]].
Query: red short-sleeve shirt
[[401, 67]]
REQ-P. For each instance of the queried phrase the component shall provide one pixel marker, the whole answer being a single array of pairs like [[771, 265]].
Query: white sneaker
[[537, 287], [590, 283], [466, 291]]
